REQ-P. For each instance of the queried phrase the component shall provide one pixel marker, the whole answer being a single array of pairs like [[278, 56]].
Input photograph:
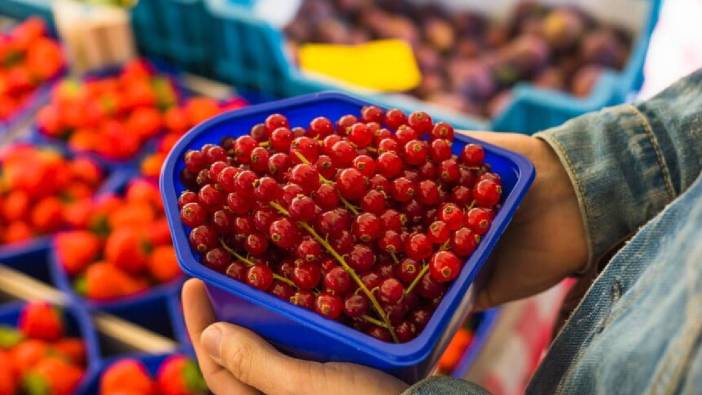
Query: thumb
[[253, 361]]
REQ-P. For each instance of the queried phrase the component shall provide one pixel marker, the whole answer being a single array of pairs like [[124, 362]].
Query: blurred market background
[[100, 91]]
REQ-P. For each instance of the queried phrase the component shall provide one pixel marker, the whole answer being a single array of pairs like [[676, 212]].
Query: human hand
[[235, 360], [546, 240]]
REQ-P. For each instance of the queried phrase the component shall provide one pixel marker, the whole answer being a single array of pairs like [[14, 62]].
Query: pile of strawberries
[[124, 247], [112, 116], [178, 120], [28, 58], [367, 220], [42, 191], [177, 375], [38, 357]]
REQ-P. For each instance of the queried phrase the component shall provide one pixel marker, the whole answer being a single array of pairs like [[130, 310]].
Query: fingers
[[198, 316]]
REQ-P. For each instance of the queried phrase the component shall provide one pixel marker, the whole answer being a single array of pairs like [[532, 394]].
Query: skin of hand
[[546, 241], [236, 361]]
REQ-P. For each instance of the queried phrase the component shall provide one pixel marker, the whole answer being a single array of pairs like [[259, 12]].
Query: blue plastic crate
[[303, 333], [77, 324], [251, 53]]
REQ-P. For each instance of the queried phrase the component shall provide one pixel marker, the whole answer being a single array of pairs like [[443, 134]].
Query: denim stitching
[[668, 180]]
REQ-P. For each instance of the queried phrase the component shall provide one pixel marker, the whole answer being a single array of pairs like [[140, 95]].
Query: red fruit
[[256, 244], [40, 320], [442, 130], [47, 215], [328, 143], [203, 238], [390, 242], [356, 305], [259, 160], [309, 250], [449, 171], [332, 223], [464, 242], [461, 195], [367, 227], [478, 220], [421, 122], [389, 164], [391, 291], [321, 127], [326, 197], [281, 139], [76, 250], [438, 232], [473, 155], [337, 280], [403, 190], [395, 118], [290, 191], [237, 271], [282, 290], [351, 184], [214, 153], [8, 381], [428, 193], [329, 306], [278, 164], [373, 202], [381, 184], [452, 216], [325, 167], [217, 259], [193, 214], [53, 375], [418, 246], [304, 149], [440, 150], [275, 121], [407, 270], [267, 189], [304, 299], [361, 258], [344, 123], [128, 249], [180, 375], [365, 164], [388, 144], [487, 193], [259, 276], [405, 134], [72, 348], [302, 208], [360, 135], [306, 176], [428, 288], [416, 152], [342, 154], [444, 267], [104, 281], [283, 233], [306, 275], [372, 114], [127, 376], [392, 220]]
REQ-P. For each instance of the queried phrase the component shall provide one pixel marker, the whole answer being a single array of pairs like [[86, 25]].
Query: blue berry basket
[[77, 324], [303, 333]]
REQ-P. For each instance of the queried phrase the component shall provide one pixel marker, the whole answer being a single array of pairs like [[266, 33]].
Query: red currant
[[267, 189], [390, 242], [203, 238], [360, 135], [448, 171], [365, 164], [428, 288], [259, 160], [217, 259], [245, 225], [256, 244], [418, 246], [306, 275], [329, 306], [473, 155], [223, 221], [325, 196], [405, 134], [195, 161], [389, 164], [343, 242], [406, 331], [303, 299], [243, 146], [337, 280], [290, 191], [442, 130], [372, 114], [187, 197], [259, 276], [444, 267], [391, 291], [302, 208], [416, 152], [381, 184], [325, 167], [275, 121], [193, 214], [407, 270], [283, 233], [373, 202], [356, 306], [440, 150], [367, 227], [210, 196], [258, 132], [438, 232], [395, 118], [452, 216], [464, 242], [235, 270], [309, 250], [282, 290], [342, 154], [281, 139], [478, 220], [420, 121], [306, 176], [461, 195], [392, 220], [331, 223], [351, 184], [361, 258], [388, 144], [216, 168], [321, 127], [487, 193], [304, 147], [403, 189], [344, 123], [428, 193]]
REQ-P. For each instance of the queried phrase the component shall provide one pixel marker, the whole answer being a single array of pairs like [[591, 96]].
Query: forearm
[[628, 162]]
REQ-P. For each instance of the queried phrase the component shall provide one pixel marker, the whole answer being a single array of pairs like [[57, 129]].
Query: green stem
[[374, 321], [394, 257], [417, 279], [353, 275], [248, 263]]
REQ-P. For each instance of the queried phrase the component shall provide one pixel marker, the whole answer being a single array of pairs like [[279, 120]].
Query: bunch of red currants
[[366, 220]]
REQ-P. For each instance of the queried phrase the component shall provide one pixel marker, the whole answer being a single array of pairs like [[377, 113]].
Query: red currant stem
[[264, 144], [416, 280], [324, 180], [374, 321], [353, 275], [280, 208], [372, 149], [444, 246], [394, 257], [248, 263], [471, 205]]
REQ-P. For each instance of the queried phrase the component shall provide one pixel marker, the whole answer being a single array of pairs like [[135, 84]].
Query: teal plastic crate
[[251, 52]]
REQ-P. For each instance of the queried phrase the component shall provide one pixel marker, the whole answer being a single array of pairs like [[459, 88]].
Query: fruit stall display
[[338, 219], [43, 349], [29, 60], [470, 63]]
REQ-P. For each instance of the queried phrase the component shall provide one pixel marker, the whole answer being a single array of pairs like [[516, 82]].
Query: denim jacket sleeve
[[628, 162]]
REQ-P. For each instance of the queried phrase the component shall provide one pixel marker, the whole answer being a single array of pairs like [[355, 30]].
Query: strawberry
[[104, 281], [47, 215], [143, 191], [163, 264], [40, 320], [86, 170], [145, 122], [26, 354], [52, 376], [17, 231], [158, 232], [127, 376], [8, 382], [128, 250], [73, 348], [76, 250], [16, 205], [132, 214], [179, 375]]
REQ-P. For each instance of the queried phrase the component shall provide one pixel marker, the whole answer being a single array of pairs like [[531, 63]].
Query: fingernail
[[211, 339]]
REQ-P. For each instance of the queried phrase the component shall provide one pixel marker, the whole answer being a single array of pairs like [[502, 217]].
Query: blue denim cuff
[[615, 163], [441, 385]]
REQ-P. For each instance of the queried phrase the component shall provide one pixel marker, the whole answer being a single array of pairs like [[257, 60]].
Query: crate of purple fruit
[[337, 230], [514, 65]]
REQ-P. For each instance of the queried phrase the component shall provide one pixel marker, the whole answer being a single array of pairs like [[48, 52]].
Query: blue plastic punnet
[[303, 333]]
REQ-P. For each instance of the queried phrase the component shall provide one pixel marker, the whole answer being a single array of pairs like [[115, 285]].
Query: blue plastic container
[[303, 333], [251, 52], [77, 324]]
